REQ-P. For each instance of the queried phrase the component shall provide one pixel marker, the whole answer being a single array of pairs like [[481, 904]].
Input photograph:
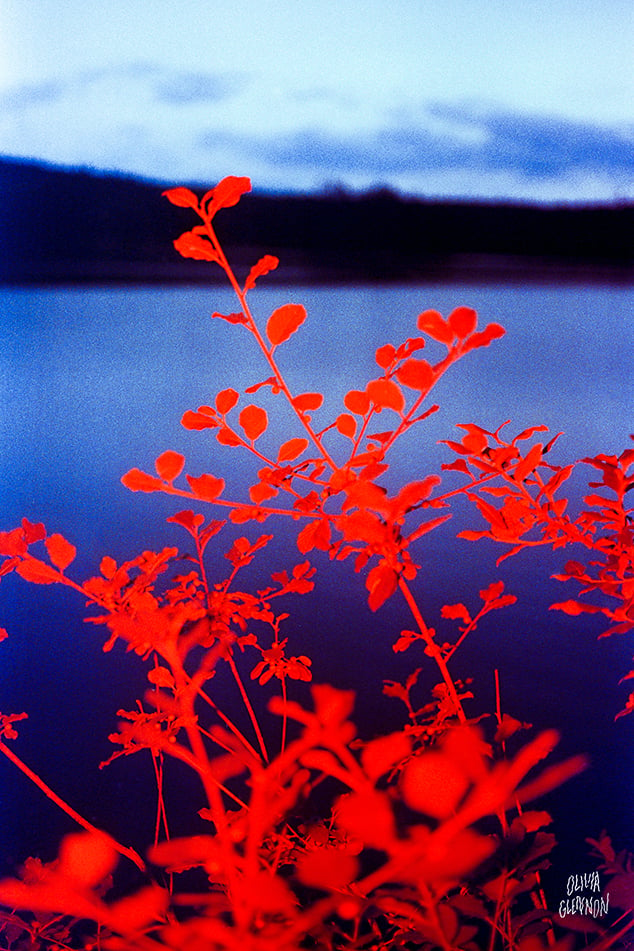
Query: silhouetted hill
[[59, 225]]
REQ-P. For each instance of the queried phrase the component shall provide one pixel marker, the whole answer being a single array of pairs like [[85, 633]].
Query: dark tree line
[[59, 225]]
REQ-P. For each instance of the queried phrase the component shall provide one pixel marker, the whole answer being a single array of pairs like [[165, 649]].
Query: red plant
[[425, 841]]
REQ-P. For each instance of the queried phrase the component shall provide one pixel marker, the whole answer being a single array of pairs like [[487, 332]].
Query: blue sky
[[525, 99]]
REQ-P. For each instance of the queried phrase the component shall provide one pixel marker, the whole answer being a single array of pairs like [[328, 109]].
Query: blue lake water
[[95, 381]]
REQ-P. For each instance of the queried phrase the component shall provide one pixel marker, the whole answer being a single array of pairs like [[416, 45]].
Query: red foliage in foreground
[[427, 842]]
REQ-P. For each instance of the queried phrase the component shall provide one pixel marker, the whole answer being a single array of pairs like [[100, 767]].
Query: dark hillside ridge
[[65, 226]]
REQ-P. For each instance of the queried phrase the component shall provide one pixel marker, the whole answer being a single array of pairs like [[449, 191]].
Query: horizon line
[[328, 192]]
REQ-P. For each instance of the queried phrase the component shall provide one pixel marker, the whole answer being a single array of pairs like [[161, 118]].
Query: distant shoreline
[[463, 269], [59, 226]]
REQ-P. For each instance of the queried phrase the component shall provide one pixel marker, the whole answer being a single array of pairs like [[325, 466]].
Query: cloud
[[446, 138], [383, 152], [166, 86], [543, 146], [187, 88], [18, 98], [50, 93]]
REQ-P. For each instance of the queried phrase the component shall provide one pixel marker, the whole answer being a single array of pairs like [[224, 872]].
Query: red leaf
[[557, 480], [574, 608], [455, 612], [475, 440], [254, 421], [242, 551], [459, 466], [210, 530], [386, 394], [264, 265], [191, 245], [270, 381], [364, 494], [33, 531], [13, 543], [526, 465], [363, 526], [192, 420], [37, 571], [549, 779], [206, 487], [283, 322], [493, 591], [357, 402], [226, 400], [596, 500], [86, 859], [327, 869], [415, 492], [576, 569], [61, 552], [307, 401], [245, 513], [484, 337], [291, 449], [7, 566], [314, 535], [385, 355], [381, 754], [139, 481], [108, 567], [346, 425], [381, 438], [527, 433], [532, 820], [160, 677], [473, 536], [180, 854], [226, 437], [435, 325], [187, 519], [261, 491], [323, 535], [433, 783], [368, 816], [231, 318], [381, 582], [456, 447], [228, 192], [428, 526], [306, 538], [417, 374], [463, 321], [169, 465], [508, 727], [182, 197], [137, 911]]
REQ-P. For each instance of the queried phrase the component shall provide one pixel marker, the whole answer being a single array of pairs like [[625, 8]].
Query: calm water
[[93, 382]]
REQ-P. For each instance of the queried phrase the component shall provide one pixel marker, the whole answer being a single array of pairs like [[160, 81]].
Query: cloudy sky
[[528, 99]]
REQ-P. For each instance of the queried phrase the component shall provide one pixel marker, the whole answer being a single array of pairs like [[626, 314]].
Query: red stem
[[122, 849], [267, 351], [433, 648], [247, 703]]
